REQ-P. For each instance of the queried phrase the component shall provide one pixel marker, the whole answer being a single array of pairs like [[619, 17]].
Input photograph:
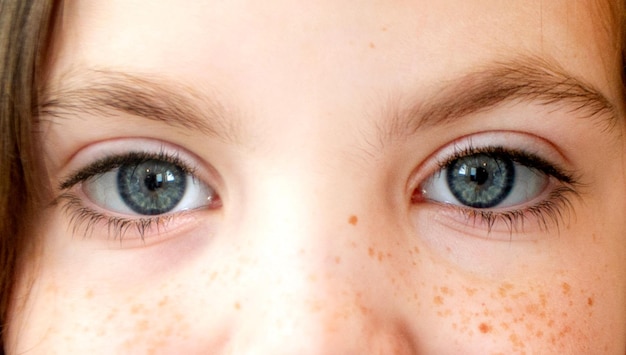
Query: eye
[[489, 179], [148, 186]]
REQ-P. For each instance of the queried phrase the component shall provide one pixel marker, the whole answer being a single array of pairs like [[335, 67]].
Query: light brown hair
[[23, 33]]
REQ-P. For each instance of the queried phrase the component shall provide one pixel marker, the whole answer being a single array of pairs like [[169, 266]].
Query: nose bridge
[[316, 288]]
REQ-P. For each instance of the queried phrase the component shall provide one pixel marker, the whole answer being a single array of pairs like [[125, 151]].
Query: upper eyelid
[[115, 161], [531, 160]]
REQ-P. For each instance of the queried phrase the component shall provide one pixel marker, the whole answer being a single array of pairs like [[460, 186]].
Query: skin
[[317, 247]]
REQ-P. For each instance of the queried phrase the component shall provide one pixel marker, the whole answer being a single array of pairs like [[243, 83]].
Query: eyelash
[[550, 211], [85, 219]]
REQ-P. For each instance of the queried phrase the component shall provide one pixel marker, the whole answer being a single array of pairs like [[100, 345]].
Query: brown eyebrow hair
[[107, 92], [528, 79]]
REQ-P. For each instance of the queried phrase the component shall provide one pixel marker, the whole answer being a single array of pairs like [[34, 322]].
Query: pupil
[[153, 181], [479, 175]]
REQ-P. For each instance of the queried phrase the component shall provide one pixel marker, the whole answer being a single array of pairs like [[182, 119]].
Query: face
[[319, 177]]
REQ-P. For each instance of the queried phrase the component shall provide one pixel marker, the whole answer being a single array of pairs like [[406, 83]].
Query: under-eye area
[[135, 192], [496, 188]]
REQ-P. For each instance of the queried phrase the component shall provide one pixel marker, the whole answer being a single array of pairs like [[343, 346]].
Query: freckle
[[384, 29], [371, 252], [237, 305], [353, 220], [470, 291], [337, 260], [539, 334], [416, 250], [142, 325], [380, 256], [514, 338], [564, 331], [532, 308], [446, 291], [163, 302], [484, 328], [89, 294], [372, 45], [213, 275], [438, 300], [504, 289], [566, 288], [364, 310], [543, 299], [112, 314], [590, 301], [136, 308]]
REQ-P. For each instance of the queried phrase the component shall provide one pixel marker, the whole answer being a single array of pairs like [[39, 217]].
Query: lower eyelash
[[85, 220], [556, 209]]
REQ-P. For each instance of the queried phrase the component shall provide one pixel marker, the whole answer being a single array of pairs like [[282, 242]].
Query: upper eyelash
[[529, 160], [109, 163]]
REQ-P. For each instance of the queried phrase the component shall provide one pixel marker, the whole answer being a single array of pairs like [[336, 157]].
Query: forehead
[[252, 44]]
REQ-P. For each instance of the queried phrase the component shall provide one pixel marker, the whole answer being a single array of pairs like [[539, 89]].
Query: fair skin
[[307, 132]]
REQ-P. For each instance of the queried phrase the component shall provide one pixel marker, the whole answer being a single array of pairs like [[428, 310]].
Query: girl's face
[[329, 177]]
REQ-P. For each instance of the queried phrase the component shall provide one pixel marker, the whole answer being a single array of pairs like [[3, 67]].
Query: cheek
[[552, 313], [152, 319]]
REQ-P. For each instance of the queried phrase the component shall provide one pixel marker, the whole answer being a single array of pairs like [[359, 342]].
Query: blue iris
[[481, 180], [151, 187]]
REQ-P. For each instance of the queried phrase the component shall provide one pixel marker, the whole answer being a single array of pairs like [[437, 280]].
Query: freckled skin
[[286, 266]]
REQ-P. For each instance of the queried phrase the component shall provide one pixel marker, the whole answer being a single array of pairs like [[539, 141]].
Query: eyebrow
[[106, 92], [529, 79]]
